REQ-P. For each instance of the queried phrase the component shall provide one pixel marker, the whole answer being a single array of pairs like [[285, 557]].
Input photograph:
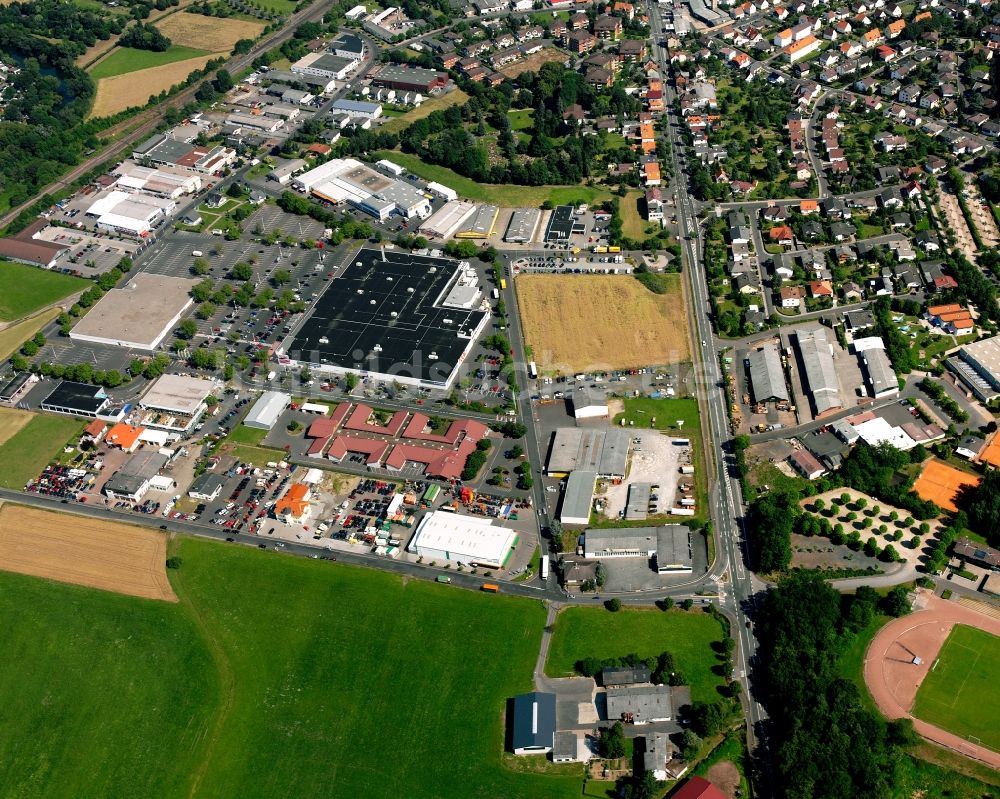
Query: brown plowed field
[[84, 551]]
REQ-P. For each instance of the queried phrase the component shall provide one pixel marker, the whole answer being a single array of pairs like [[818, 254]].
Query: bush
[[614, 605], [173, 563]]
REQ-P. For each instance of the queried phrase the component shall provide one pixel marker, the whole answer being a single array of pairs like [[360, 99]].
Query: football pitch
[[961, 693], [271, 677]]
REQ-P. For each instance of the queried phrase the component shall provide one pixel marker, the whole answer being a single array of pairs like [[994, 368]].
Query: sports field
[[123, 91], [595, 632], [208, 34], [128, 59], [271, 677], [941, 483], [78, 549], [961, 692], [28, 288], [577, 323], [26, 453]]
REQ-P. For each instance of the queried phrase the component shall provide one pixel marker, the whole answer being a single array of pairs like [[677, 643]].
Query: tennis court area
[[941, 483]]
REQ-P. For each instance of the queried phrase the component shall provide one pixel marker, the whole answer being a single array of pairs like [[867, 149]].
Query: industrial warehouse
[[467, 540], [396, 316], [139, 315], [344, 180]]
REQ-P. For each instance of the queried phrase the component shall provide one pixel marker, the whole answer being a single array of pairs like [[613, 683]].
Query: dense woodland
[[826, 744]]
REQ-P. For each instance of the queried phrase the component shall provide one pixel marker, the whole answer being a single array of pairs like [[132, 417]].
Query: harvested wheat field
[[208, 33], [135, 88], [11, 421], [585, 323], [84, 551]]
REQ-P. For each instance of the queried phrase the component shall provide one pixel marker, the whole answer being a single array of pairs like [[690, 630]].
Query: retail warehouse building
[[466, 540]]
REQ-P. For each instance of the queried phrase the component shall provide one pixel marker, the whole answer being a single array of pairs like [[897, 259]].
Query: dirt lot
[[533, 62], [956, 221], [208, 33], [135, 88], [12, 420], [590, 323], [725, 776], [83, 551]]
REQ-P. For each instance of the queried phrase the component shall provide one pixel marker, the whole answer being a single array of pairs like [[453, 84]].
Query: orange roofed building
[[294, 505], [124, 436]]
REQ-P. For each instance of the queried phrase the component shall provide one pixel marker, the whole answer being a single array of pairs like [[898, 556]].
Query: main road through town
[[731, 567]]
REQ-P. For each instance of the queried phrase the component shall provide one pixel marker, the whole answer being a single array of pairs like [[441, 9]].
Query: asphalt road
[[730, 569]]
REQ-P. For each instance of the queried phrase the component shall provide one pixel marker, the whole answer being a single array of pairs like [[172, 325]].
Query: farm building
[[533, 723], [621, 676], [176, 402], [819, 372], [394, 308], [589, 404], [602, 451], [267, 410], [77, 399], [698, 788], [139, 315], [669, 544], [640, 704], [578, 498], [978, 367], [767, 378], [466, 540]]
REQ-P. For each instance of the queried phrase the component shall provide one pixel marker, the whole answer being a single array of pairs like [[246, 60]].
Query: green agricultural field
[[129, 59], [28, 288], [962, 691], [273, 676], [502, 194], [26, 453], [595, 632]]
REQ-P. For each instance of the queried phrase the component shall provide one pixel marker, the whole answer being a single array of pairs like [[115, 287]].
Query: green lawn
[[962, 690], [129, 59], [27, 452], [28, 288], [242, 434], [522, 118], [503, 194], [595, 632], [258, 456], [273, 676], [667, 413]]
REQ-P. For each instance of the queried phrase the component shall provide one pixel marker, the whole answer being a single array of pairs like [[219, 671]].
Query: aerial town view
[[518, 399]]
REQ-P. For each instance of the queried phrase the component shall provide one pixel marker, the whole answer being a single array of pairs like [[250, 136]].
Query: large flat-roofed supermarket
[[404, 317], [469, 540], [139, 315]]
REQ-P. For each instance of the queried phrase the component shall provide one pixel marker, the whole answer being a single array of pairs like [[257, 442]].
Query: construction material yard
[[83, 551], [592, 323]]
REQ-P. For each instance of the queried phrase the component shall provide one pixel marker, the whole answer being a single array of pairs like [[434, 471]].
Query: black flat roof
[[76, 396], [560, 223], [383, 311]]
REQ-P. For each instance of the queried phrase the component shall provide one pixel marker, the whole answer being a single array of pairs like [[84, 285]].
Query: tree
[[690, 744], [143, 36], [614, 605], [200, 266], [350, 382], [667, 603], [305, 374], [294, 426], [687, 604], [187, 329], [281, 276], [600, 574], [896, 603], [611, 741], [772, 518], [241, 271]]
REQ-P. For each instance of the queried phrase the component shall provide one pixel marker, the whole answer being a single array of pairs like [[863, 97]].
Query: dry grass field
[[83, 551], [585, 323], [533, 62], [208, 33], [135, 88], [12, 420]]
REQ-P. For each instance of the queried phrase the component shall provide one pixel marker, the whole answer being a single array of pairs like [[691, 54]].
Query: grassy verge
[[13, 337], [633, 222], [28, 288], [258, 456], [503, 194], [27, 452], [407, 118], [167, 700], [595, 632], [242, 434], [128, 59]]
